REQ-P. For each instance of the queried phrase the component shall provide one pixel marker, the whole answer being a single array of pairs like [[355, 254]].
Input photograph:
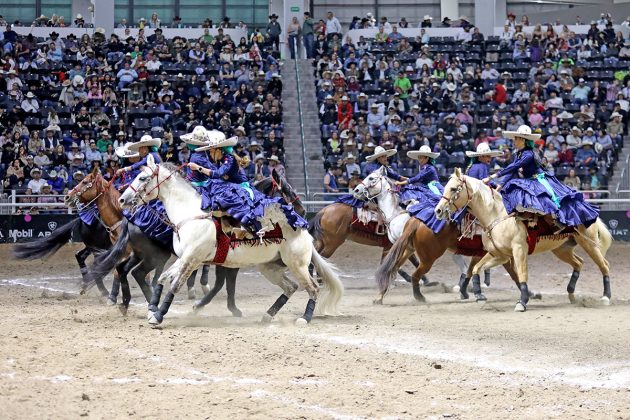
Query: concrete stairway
[[292, 140]]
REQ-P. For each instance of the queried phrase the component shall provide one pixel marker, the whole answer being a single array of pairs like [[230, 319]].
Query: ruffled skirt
[[423, 208], [150, 219], [247, 205], [547, 195]]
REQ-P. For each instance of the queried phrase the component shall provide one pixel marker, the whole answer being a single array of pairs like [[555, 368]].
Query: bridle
[[279, 187], [102, 187], [372, 199], [154, 174], [450, 201]]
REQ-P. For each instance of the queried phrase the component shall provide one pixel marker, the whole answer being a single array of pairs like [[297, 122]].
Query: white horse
[[505, 237], [194, 242]]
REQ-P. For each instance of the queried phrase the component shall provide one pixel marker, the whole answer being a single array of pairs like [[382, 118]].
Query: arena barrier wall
[[25, 228]]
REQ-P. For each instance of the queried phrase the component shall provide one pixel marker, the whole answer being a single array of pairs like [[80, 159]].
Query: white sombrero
[[217, 139], [523, 131], [483, 149], [124, 152], [380, 151], [145, 141], [423, 151], [198, 137]]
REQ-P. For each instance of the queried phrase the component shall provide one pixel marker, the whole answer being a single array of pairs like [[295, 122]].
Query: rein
[[98, 182], [372, 199]]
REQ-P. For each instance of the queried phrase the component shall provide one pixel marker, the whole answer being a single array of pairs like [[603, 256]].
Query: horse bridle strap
[[469, 196]]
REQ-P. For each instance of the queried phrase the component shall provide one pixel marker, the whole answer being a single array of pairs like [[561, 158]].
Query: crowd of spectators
[[451, 93], [66, 104]]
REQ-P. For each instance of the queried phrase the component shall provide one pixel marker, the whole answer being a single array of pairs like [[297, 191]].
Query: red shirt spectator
[[344, 113], [500, 95], [565, 155]]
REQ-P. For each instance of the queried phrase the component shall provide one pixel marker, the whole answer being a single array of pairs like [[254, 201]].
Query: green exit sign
[[295, 9]]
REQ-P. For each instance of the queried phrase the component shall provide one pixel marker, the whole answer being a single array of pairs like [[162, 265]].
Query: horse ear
[[275, 176], [151, 162], [458, 172], [95, 171]]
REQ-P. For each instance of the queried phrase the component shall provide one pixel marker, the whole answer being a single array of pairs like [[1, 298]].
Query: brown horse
[[332, 226]]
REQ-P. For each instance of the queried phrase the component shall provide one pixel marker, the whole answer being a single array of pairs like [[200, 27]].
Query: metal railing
[[10, 204], [301, 117]]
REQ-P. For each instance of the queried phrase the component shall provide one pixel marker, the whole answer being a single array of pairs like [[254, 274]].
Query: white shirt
[[30, 105], [35, 185], [153, 65], [333, 26]]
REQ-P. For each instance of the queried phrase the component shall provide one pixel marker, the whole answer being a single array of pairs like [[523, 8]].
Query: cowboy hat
[[78, 173], [423, 151], [380, 151], [35, 170], [259, 156], [523, 131], [483, 149], [565, 115], [615, 114], [554, 129], [198, 137], [451, 87], [124, 152], [52, 174], [428, 17], [145, 141], [30, 95], [274, 158], [217, 139]]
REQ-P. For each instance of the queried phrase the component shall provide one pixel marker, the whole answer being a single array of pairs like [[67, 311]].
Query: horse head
[[453, 200], [373, 186], [88, 190], [145, 187], [288, 193]]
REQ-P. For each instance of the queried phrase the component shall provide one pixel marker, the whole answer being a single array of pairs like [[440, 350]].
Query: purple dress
[[426, 189], [527, 188], [227, 190]]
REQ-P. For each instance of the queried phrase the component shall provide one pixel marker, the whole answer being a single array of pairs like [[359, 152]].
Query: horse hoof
[[266, 319], [455, 288], [300, 322], [481, 299], [123, 309], [535, 295], [150, 314], [463, 294], [605, 300], [236, 313], [485, 286], [110, 302], [191, 294], [154, 321], [520, 307], [572, 298], [378, 301]]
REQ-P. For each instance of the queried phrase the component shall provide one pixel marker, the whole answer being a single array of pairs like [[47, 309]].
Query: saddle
[[369, 221]]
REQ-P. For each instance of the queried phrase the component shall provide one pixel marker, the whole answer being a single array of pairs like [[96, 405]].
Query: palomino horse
[[195, 243], [410, 235], [505, 237]]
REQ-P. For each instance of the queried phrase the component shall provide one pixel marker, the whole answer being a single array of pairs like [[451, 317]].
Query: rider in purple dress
[[530, 191], [424, 190], [228, 189], [375, 161], [150, 217]]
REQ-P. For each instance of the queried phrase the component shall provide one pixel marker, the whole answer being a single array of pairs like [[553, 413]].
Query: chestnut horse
[[332, 226]]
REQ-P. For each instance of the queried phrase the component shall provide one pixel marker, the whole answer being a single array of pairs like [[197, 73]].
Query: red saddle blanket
[[473, 247], [372, 230], [227, 242]]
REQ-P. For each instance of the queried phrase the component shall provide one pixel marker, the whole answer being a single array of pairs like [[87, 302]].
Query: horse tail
[[106, 261], [386, 272], [47, 246], [315, 228], [605, 237], [328, 272]]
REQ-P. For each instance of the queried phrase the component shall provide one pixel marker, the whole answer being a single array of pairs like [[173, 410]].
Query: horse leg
[[509, 267], [566, 253], [485, 263], [124, 283], [519, 253], [218, 285], [179, 276], [275, 273], [81, 256], [311, 287], [205, 270], [464, 277], [191, 285], [423, 268], [139, 273], [415, 262], [589, 243], [479, 297], [157, 289], [230, 287], [113, 294], [407, 253]]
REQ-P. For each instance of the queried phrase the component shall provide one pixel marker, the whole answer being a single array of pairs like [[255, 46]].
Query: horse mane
[[489, 197], [176, 172]]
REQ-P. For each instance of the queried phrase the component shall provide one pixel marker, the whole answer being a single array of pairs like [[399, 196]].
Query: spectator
[[333, 27], [273, 31], [308, 34], [36, 183], [586, 156], [330, 180], [572, 180], [276, 165]]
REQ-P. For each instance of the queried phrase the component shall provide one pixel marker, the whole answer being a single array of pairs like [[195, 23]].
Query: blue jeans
[[308, 41], [293, 46]]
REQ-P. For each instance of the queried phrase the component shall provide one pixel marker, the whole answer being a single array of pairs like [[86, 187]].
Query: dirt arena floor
[[67, 356]]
